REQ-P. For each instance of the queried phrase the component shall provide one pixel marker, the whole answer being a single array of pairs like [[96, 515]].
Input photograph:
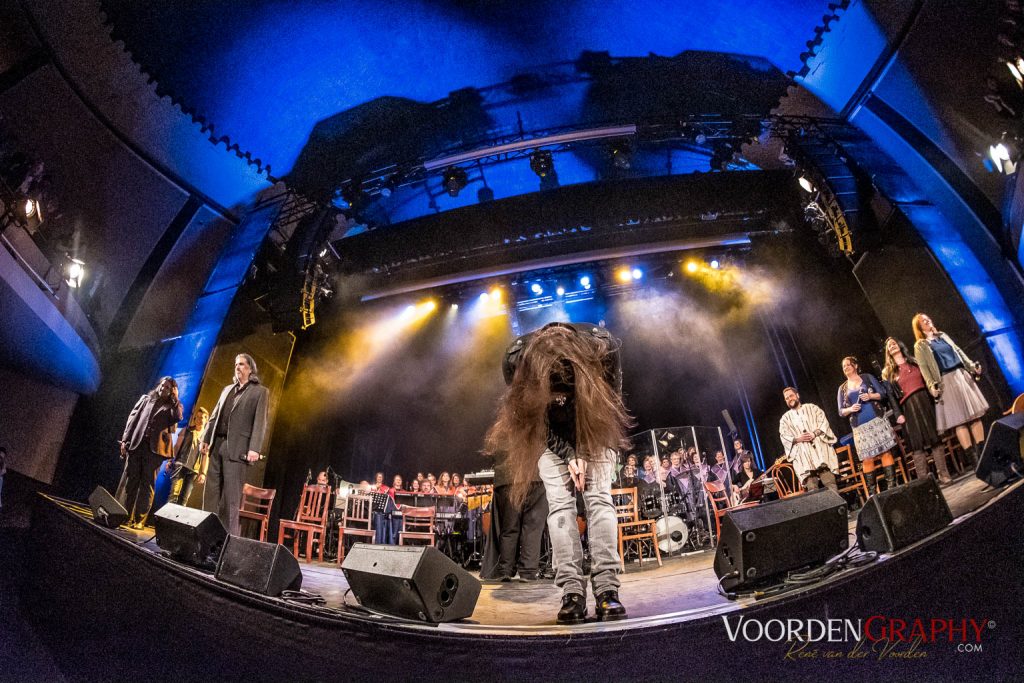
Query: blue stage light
[[585, 282], [637, 273], [536, 288]]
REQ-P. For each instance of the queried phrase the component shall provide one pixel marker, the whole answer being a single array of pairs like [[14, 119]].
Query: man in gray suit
[[235, 438]]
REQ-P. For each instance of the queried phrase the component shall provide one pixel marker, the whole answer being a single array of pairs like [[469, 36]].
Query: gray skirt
[[874, 437], [961, 401]]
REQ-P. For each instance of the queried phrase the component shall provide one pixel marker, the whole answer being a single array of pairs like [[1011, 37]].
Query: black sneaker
[[574, 609], [608, 607]]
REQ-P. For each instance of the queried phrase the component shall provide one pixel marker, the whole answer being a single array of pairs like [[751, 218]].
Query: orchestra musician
[[744, 478]]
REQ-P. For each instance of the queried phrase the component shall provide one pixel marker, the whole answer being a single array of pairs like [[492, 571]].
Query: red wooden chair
[[417, 524], [849, 477], [256, 504], [720, 503], [311, 519], [357, 521], [632, 528]]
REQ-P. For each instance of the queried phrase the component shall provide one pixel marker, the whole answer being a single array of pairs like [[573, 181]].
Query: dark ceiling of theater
[[265, 73]]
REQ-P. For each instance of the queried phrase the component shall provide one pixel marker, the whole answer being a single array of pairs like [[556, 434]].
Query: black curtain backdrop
[[426, 406]]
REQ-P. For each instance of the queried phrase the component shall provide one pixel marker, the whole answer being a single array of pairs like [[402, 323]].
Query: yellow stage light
[[624, 274], [691, 266]]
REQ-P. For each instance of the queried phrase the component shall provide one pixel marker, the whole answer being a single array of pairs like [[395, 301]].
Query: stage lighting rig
[[454, 180], [541, 163], [74, 272]]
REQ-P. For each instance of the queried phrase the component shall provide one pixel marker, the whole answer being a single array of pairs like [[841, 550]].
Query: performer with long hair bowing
[[563, 415], [859, 398], [948, 374]]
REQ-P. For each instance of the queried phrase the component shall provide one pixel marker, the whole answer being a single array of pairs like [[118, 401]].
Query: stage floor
[[683, 588]]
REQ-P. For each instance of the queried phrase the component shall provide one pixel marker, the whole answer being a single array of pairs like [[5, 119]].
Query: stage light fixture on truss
[[541, 163], [585, 282], [1002, 156], [74, 272], [454, 180], [536, 288]]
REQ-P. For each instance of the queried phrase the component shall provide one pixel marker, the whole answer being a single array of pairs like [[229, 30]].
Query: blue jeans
[[602, 531]]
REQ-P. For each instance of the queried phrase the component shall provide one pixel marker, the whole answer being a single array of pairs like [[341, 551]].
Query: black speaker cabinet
[[759, 544], [187, 534], [1001, 460], [106, 511], [902, 515], [266, 568], [414, 582]]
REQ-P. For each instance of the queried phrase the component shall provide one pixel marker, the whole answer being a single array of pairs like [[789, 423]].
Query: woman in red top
[[444, 485], [919, 432]]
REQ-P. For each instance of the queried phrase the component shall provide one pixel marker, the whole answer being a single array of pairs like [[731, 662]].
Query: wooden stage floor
[[684, 587]]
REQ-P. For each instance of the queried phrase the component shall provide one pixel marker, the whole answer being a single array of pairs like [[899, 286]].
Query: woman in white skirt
[[873, 437], [950, 377]]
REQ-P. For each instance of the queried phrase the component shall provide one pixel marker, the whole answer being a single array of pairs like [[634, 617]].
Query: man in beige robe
[[808, 438]]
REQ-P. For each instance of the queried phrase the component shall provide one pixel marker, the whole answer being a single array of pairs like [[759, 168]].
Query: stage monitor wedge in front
[[187, 534], [106, 511], [266, 568], [1001, 459], [759, 544], [413, 582], [902, 515]]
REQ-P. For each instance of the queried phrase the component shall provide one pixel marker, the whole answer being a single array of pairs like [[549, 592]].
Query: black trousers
[[139, 477], [224, 480], [521, 530], [187, 479]]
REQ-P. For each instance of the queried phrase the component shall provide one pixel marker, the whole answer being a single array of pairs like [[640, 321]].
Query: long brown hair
[[520, 430], [891, 370]]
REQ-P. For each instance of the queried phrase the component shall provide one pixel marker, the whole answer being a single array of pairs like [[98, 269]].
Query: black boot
[[890, 476], [971, 456], [608, 607], [574, 609], [871, 481]]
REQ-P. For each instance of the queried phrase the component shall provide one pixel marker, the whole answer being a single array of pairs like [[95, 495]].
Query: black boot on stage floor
[[971, 456], [574, 609], [871, 481], [890, 476], [608, 607]]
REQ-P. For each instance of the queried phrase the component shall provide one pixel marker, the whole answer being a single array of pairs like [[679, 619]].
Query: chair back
[[625, 505], [784, 476], [716, 492], [358, 513], [256, 500], [418, 520], [847, 466], [313, 506], [1017, 407]]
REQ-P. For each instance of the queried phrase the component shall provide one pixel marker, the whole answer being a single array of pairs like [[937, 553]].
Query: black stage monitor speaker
[[187, 534], [266, 568], [414, 582], [1001, 460], [759, 544], [106, 511], [902, 515]]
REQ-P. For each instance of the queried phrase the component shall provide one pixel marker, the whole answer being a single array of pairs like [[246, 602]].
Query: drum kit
[[679, 519]]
